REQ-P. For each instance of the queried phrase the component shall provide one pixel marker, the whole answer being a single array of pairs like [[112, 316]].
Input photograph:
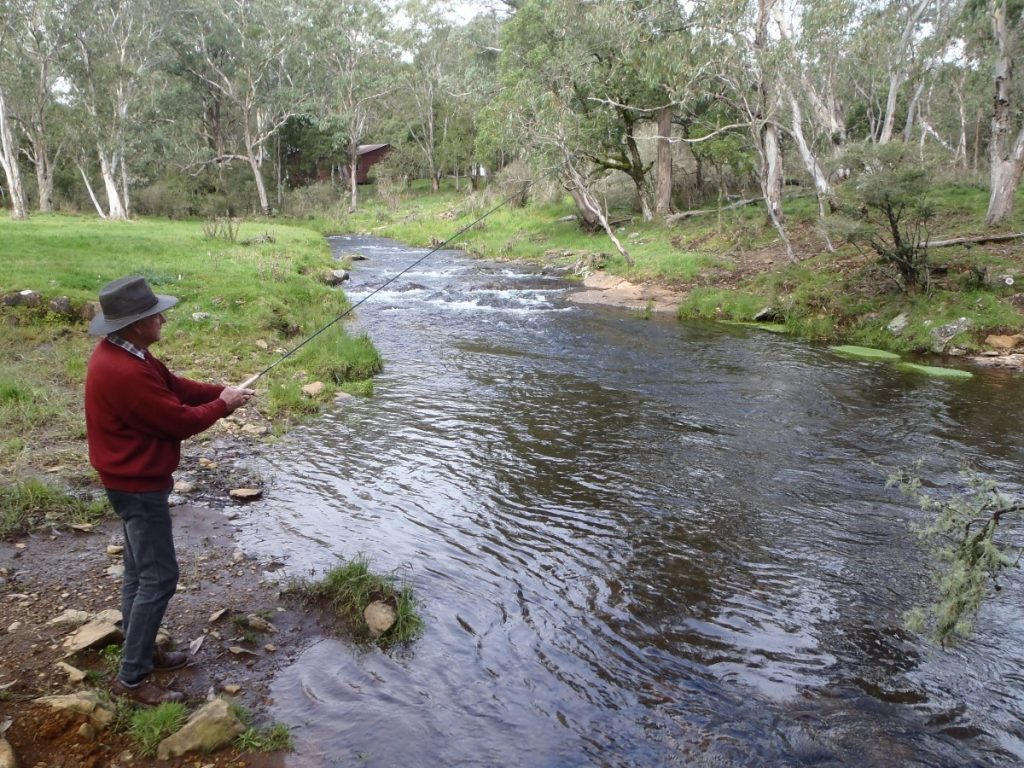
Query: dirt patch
[[43, 574]]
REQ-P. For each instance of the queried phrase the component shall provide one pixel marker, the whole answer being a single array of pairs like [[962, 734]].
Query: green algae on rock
[[865, 353], [934, 370]]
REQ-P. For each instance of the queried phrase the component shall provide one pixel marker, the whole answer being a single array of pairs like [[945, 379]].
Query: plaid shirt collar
[[124, 344]]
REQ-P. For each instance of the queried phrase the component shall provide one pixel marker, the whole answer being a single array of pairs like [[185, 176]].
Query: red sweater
[[136, 415]]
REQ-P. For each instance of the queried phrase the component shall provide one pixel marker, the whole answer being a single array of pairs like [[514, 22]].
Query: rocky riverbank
[[228, 616]]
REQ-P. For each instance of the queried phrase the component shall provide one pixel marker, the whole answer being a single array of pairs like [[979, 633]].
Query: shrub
[[886, 209]]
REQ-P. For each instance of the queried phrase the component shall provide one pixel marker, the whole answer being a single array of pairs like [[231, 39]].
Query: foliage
[[887, 208], [274, 738], [111, 655], [961, 536], [350, 586], [150, 726], [31, 504]]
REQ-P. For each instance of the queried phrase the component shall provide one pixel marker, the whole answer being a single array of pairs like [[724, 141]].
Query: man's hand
[[236, 397]]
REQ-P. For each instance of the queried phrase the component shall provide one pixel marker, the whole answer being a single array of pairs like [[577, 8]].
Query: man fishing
[[137, 413]]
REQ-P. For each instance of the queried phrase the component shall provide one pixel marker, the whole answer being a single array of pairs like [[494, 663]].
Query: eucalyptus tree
[[41, 117], [9, 23], [426, 80], [355, 52], [1006, 151], [750, 68], [473, 83], [613, 64], [249, 58], [110, 50]]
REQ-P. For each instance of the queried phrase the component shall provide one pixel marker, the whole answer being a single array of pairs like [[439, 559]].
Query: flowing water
[[636, 542]]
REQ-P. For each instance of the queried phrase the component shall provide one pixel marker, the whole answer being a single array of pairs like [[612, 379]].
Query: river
[[637, 542]]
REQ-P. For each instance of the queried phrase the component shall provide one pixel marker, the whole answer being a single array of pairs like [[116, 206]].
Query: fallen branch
[[976, 239], [673, 218]]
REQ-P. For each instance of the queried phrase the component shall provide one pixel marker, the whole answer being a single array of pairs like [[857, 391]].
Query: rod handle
[[248, 382]]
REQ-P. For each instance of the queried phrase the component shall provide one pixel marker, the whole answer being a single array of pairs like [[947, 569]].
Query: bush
[[170, 197], [886, 209], [318, 199]]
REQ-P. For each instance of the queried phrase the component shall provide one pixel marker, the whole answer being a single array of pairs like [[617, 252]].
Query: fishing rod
[[256, 376]]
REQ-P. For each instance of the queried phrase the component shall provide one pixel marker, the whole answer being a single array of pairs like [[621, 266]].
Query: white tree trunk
[[901, 70], [771, 183], [92, 195], [44, 180], [821, 184], [261, 187], [9, 162], [1007, 162], [353, 173], [663, 190], [108, 171]]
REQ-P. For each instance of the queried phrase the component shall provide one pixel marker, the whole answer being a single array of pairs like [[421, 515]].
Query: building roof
[[367, 148]]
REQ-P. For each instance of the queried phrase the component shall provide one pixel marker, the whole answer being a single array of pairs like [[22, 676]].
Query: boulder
[[335, 277], [7, 757], [943, 335], [898, 324], [767, 315], [26, 298], [313, 389], [210, 728], [71, 616], [61, 305], [379, 617], [99, 712], [1004, 342], [74, 674], [245, 494], [100, 631]]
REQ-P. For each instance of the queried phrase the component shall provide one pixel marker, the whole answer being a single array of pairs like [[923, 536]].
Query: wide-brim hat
[[124, 301]]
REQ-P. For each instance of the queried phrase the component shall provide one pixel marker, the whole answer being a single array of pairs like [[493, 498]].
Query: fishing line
[[256, 376]]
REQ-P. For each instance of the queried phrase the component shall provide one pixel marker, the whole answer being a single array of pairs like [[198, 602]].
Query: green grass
[[111, 655], [239, 305], [350, 586], [274, 738], [31, 504], [150, 726]]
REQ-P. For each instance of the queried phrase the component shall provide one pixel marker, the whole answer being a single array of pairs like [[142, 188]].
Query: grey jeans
[[150, 576]]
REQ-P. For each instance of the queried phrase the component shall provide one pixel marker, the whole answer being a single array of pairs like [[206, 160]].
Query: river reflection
[[637, 542]]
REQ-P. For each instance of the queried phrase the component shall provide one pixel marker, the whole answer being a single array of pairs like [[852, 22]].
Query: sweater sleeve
[[188, 391], [152, 404]]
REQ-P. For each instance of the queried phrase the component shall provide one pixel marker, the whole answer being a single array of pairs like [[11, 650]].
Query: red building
[[369, 154]]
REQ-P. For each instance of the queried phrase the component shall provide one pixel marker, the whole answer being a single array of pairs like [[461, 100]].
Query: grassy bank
[[241, 306], [732, 264]]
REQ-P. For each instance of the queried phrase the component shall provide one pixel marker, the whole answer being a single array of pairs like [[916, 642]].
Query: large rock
[[61, 305], [7, 756], [313, 389], [211, 728], [379, 617], [102, 630], [944, 334], [335, 277], [898, 324], [99, 712], [1004, 342]]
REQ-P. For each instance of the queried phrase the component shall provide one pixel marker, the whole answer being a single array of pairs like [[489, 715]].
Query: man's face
[[147, 330]]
